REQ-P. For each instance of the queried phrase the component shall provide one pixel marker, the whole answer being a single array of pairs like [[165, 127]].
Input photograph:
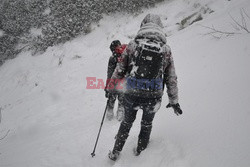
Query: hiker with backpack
[[147, 66], [116, 48]]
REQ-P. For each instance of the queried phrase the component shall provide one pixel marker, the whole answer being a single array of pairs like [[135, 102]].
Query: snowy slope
[[53, 119]]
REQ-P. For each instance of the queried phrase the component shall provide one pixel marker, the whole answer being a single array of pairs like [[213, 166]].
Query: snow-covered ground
[[53, 119]]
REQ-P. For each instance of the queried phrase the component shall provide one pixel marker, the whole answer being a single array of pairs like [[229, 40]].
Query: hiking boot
[[136, 153], [142, 145], [113, 155]]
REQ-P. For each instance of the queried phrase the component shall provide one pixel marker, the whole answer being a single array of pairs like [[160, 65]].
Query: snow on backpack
[[148, 60]]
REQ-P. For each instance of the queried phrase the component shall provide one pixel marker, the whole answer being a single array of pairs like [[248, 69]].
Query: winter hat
[[114, 44]]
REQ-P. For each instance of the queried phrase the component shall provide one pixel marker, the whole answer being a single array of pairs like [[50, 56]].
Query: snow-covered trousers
[[132, 104], [111, 101]]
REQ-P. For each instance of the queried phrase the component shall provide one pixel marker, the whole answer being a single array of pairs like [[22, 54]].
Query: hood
[[152, 19], [152, 27]]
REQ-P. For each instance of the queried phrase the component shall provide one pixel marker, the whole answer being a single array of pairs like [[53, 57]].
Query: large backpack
[[148, 60], [146, 67]]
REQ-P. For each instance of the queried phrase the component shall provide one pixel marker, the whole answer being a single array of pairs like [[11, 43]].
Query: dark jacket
[[114, 59], [111, 66], [151, 27]]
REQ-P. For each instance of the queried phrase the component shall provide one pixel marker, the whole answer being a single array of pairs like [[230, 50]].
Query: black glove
[[176, 107], [106, 93]]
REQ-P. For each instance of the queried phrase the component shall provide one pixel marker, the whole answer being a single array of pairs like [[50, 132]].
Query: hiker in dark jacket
[[116, 49], [147, 60]]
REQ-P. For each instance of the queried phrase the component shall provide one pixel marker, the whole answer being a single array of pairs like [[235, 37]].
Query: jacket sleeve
[[111, 67], [122, 66], [170, 79]]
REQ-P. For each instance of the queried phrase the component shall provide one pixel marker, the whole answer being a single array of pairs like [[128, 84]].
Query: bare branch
[[215, 36], [240, 26], [237, 23], [244, 24], [0, 123], [235, 27], [5, 135], [245, 13], [218, 33]]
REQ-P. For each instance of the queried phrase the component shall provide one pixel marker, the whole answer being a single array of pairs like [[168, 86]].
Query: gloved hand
[[106, 93], [110, 88], [176, 107]]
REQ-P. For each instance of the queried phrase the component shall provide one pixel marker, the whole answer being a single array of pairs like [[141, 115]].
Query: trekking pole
[[93, 153]]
